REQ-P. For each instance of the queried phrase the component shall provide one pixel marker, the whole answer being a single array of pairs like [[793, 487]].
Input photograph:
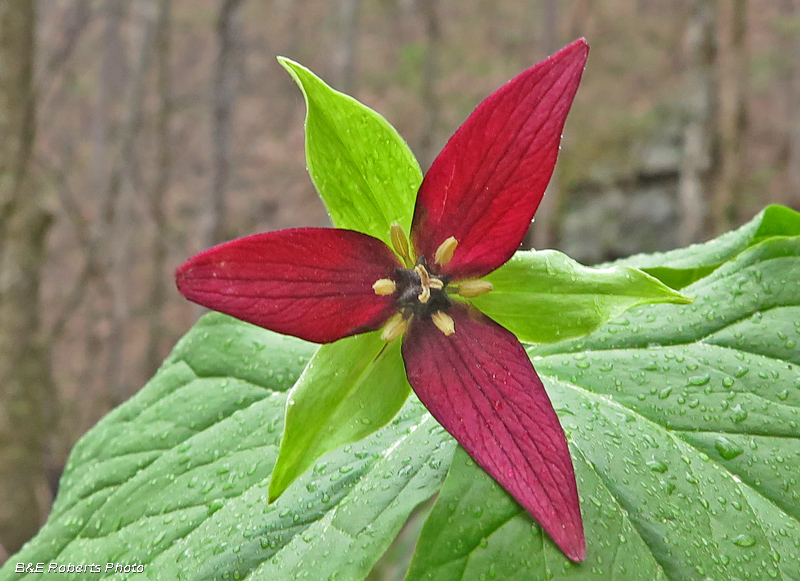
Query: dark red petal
[[480, 385], [313, 283], [485, 185]]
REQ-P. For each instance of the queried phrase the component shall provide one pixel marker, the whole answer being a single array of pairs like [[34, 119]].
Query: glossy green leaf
[[684, 424], [682, 420], [681, 267], [363, 170], [176, 478], [545, 296], [349, 390], [476, 531]]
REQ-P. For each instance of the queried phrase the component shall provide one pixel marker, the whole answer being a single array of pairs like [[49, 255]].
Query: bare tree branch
[[75, 20], [91, 268], [54, 77]]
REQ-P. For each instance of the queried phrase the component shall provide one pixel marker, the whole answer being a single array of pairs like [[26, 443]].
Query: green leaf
[[349, 390], [682, 421], [476, 530], [545, 296], [176, 478], [679, 268], [363, 170], [683, 424]]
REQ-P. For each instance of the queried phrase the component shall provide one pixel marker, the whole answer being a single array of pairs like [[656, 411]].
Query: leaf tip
[[676, 297], [286, 62], [291, 67]]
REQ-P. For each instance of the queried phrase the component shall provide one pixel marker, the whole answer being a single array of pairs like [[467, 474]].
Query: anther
[[396, 326], [384, 286], [400, 243], [425, 295], [424, 277], [474, 288], [425, 282], [443, 322], [445, 251]]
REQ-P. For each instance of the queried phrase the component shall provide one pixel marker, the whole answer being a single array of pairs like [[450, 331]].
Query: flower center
[[419, 293]]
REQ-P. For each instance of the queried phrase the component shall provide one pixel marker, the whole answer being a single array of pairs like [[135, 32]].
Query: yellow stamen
[[436, 283], [474, 288], [425, 295], [384, 286], [445, 251], [443, 322], [400, 243], [424, 277], [396, 326], [425, 282]]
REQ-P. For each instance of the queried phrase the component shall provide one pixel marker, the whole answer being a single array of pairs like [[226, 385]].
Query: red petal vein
[[313, 283], [480, 385]]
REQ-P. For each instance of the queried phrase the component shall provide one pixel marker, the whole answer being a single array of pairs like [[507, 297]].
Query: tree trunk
[[733, 68], [793, 166], [105, 185], [158, 289], [345, 55], [788, 112], [25, 383], [697, 164], [117, 227], [542, 233], [225, 85], [430, 74]]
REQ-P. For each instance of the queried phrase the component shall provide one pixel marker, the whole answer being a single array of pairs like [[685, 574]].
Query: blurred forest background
[[134, 133]]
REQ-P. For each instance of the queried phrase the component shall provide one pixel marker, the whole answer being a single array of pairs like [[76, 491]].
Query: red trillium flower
[[472, 211]]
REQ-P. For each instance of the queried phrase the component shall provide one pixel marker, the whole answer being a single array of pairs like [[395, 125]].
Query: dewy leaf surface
[[176, 479], [545, 296], [683, 424], [363, 170], [682, 421], [478, 531]]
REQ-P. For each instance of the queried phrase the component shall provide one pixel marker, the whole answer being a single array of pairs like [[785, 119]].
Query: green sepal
[[545, 296], [363, 170], [349, 390]]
